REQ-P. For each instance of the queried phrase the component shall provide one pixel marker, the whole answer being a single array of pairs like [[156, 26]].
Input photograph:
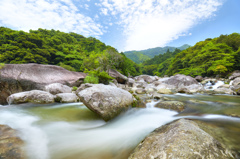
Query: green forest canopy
[[70, 50], [211, 57]]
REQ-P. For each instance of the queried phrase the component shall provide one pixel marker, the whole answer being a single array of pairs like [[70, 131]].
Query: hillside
[[143, 55], [69, 50], [211, 57]]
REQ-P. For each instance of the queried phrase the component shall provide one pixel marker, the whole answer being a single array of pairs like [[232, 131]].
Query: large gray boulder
[[11, 146], [236, 81], [146, 78], [118, 76], [56, 88], [234, 75], [106, 101], [171, 105], [181, 139], [66, 98], [16, 78], [34, 96]]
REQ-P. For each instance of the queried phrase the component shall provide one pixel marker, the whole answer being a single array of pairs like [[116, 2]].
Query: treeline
[[211, 57], [70, 50]]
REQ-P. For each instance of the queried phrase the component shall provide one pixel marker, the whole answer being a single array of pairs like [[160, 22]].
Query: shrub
[[2, 65], [67, 67], [91, 79], [102, 77], [74, 88]]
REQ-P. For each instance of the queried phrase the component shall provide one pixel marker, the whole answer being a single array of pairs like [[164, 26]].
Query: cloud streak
[[151, 23], [48, 14]]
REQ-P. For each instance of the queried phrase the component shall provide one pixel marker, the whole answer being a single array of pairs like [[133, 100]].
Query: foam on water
[[36, 140]]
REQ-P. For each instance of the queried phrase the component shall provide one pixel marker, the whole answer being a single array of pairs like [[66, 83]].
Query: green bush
[[102, 76], [91, 79], [67, 67], [2, 65], [74, 88]]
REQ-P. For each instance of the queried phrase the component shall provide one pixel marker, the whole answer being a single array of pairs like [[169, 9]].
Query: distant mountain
[[143, 55]]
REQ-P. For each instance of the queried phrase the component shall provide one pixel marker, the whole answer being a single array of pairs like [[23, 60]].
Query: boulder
[[66, 98], [16, 78], [199, 78], [164, 91], [130, 82], [11, 145], [236, 81], [181, 139], [146, 78], [140, 91], [172, 105], [34, 96], [180, 81], [118, 76], [234, 75], [56, 88], [106, 101], [223, 90], [83, 86]]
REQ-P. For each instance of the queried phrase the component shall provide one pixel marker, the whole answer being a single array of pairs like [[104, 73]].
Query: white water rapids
[[82, 139]]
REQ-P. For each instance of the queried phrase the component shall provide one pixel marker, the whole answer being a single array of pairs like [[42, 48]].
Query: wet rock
[[180, 139], [211, 80], [164, 91], [106, 101], [130, 82], [223, 90], [183, 90], [56, 88], [234, 75], [199, 78], [140, 91], [11, 146], [157, 96], [172, 105], [236, 81], [66, 98], [34, 96], [117, 75], [16, 78], [146, 78]]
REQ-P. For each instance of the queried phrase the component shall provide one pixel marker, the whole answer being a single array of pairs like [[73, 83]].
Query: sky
[[127, 24]]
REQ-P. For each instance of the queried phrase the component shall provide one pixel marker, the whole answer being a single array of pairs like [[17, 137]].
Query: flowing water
[[72, 131]]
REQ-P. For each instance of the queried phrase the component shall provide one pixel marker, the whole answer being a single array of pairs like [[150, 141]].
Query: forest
[[212, 57], [69, 50], [217, 56]]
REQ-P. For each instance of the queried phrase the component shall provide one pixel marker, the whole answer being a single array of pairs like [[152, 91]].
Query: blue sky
[[127, 24]]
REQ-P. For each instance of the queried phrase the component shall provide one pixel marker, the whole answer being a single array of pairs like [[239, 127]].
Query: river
[[72, 131]]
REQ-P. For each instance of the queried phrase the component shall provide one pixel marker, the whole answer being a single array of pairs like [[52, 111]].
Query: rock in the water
[[181, 139], [34, 96], [16, 78], [236, 81], [234, 75], [140, 91], [107, 101], [164, 91], [146, 78], [118, 76], [199, 78], [11, 146], [66, 98], [172, 105], [56, 88], [223, 90]]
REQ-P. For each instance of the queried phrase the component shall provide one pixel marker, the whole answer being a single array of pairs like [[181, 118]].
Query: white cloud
[[151, 23], [50, 14]]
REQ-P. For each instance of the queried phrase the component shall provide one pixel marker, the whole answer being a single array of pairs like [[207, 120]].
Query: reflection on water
[[71, 131]]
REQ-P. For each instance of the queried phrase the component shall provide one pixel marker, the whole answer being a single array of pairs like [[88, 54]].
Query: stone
[[56, 88], [140, 91], [15, 78], [11, 146], [223, 90], [146, 78], [117, 75], [236, 81], [182, 139], [172, 105], [66, 98], [105, 100], [180, 81], [199, 78], [34, 96], [234, 75], [130, 82], [164, 91]]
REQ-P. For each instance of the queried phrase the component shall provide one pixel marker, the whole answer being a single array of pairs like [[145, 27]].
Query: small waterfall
[[210, 86], [151, 104]]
